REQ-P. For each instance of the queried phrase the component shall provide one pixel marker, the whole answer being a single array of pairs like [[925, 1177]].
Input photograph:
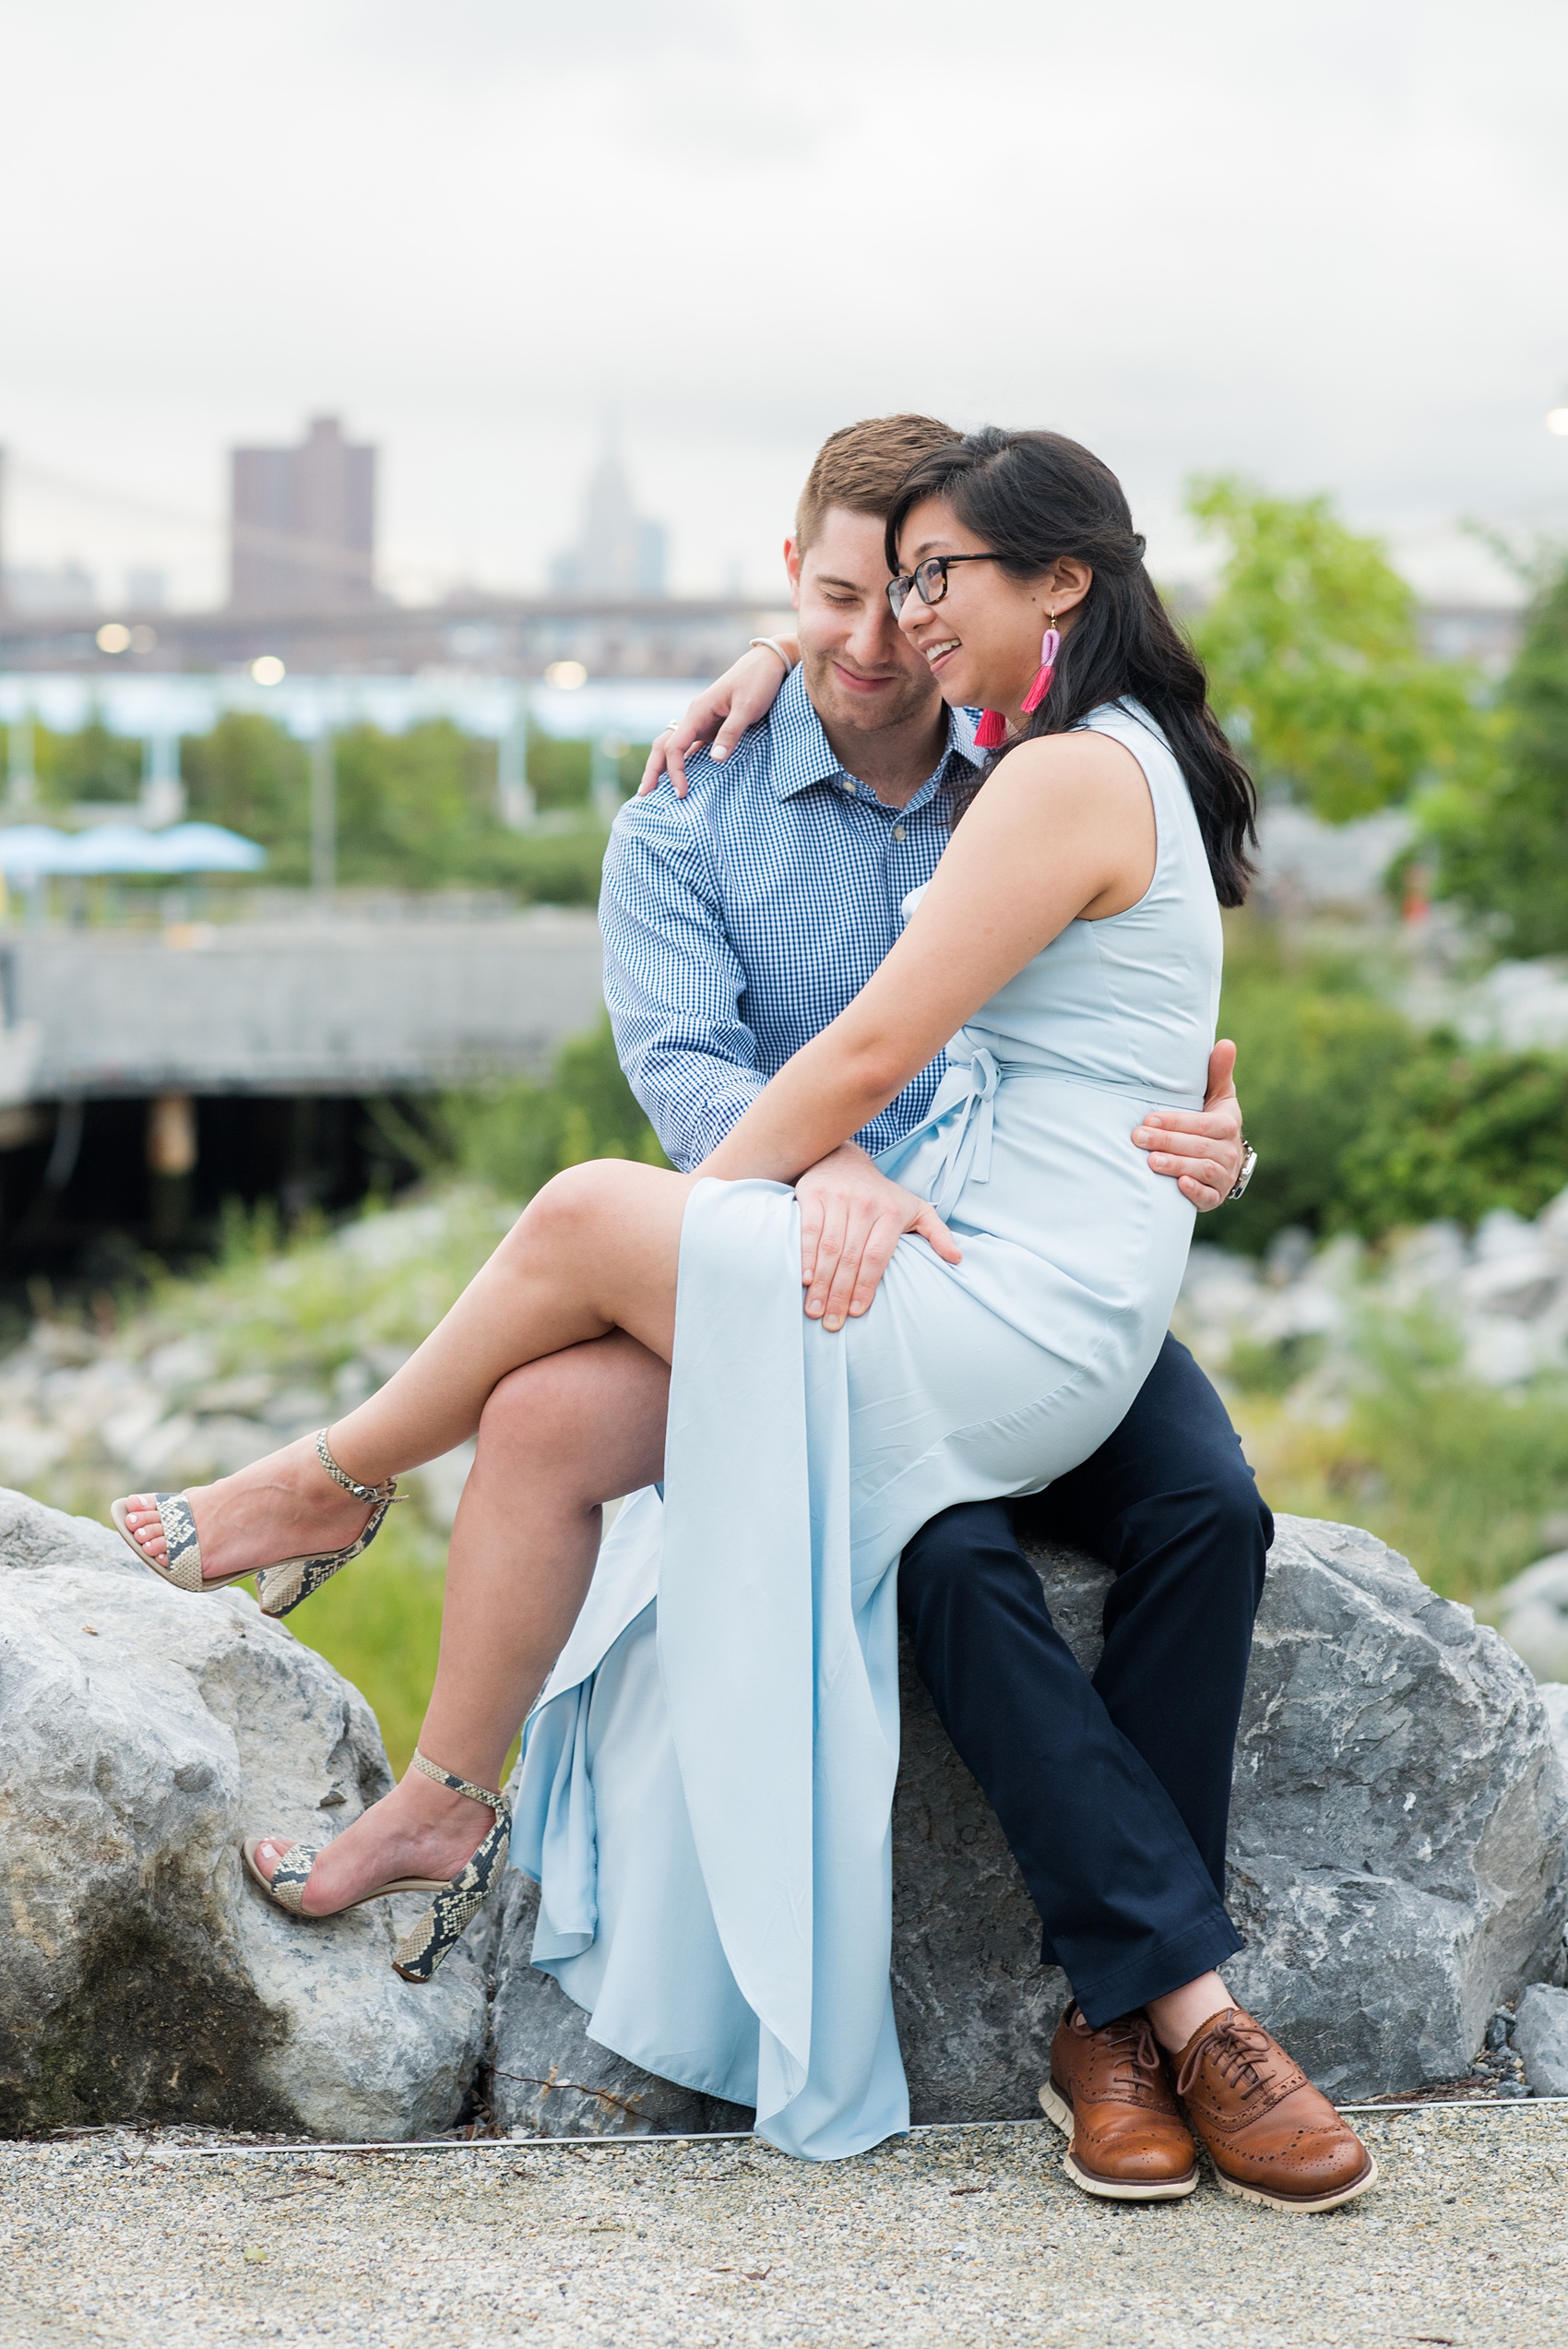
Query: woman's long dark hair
[[1035, 498]]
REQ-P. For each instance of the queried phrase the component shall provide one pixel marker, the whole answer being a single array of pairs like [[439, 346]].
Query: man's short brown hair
[[862, 465]]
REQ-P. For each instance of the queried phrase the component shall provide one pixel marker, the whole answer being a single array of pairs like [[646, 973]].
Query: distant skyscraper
[[302, 523], [617, 552]]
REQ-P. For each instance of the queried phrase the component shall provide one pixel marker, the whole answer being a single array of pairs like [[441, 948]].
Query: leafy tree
[[1315, 662], [89, 763], [415, 809], [251, 774], [559, 770], [1500, 828]]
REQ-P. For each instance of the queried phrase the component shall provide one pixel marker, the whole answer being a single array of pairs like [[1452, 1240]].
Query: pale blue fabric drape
[[708, 1780]]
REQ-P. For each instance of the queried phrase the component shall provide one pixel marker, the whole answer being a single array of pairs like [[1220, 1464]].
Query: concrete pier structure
[[338, 1004]]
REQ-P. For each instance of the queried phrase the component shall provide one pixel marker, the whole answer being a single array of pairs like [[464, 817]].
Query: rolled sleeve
[[672, 981]]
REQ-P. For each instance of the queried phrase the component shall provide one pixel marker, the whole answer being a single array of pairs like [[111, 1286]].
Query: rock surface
[[1540, 2036], [1400, 1849], [142, 1977], [1504, 1291], [1399, 1862], [548, 2078]]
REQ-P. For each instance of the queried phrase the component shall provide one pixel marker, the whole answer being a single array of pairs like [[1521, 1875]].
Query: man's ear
[[792, 566]]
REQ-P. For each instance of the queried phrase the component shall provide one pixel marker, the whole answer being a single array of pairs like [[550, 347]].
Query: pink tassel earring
[[991, 732], [1049, 646]]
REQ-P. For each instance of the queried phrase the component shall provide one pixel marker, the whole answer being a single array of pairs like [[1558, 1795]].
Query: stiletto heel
[[280, 1588], [458, 1899]]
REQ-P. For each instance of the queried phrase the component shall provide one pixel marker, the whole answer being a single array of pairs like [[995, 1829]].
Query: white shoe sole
[[1298, 2203], [1058, 2111]]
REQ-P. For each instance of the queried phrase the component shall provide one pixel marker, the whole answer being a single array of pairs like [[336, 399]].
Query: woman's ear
[[1070, 582]]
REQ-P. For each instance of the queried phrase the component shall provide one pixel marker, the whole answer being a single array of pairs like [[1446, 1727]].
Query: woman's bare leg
[[555, 1440], [596, 1251]]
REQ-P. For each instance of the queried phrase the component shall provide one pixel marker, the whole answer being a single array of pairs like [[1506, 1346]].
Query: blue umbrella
[[111, 848], [126, 848], [206, 848], [28, 849]]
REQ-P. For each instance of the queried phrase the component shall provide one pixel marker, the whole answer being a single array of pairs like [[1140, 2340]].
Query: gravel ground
[[948, 2236]]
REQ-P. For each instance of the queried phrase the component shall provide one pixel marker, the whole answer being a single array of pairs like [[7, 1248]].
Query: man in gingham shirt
[[740, 915]]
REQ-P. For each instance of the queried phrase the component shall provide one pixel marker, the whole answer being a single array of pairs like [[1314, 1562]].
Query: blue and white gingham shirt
[[740, 920]]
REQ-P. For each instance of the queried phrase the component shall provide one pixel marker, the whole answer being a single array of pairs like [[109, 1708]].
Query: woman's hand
[[852, 1218], [743, 696]]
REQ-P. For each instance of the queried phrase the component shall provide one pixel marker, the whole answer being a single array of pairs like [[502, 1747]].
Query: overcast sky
[[1325, 244]]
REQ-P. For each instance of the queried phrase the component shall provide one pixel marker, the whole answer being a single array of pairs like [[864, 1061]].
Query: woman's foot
[[419, 1830], [285, 1506]]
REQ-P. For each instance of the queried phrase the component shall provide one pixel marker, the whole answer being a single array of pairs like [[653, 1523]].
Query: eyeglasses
[[929, 577]]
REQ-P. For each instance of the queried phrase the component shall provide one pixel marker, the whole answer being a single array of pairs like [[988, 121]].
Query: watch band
[[1249, 1161]]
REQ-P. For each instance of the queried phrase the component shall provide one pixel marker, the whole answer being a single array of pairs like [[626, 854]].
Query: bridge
[[500, 636]]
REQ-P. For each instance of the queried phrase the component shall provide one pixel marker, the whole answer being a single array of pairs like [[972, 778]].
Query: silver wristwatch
[[1249, 1160]]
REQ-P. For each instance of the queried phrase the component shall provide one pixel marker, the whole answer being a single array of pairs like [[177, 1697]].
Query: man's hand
[[851, 1220], [743, 696], [1201, 1148]]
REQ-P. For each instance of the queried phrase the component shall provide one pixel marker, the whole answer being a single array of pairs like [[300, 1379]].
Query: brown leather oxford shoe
[[1110, 2094], [1271, 2134]]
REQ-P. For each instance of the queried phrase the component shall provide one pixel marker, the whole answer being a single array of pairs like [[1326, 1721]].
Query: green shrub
[[547, 868], [1455, 1134], [1315, 1057], [1363, 1122], [514, 1137], [1459, 1477]]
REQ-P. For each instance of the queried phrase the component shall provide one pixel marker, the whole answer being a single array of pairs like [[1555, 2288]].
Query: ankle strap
[[366, 1493], [496, 1803]]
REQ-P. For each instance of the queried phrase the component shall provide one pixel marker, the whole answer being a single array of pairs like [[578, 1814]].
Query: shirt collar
[[799, 753]]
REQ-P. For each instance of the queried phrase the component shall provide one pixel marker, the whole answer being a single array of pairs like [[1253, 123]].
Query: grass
[[1470, 1483], [379, 1623], [327, 1314]]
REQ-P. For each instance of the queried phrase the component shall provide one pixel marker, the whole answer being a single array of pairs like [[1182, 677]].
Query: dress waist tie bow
[[970, 1112]]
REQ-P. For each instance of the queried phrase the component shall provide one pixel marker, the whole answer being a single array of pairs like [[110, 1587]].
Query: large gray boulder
[[1399, 1850], [1540, 2038], [142, 1977], [1399, 1853]]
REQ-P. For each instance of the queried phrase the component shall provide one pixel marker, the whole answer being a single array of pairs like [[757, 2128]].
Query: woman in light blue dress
[[709, 1777]]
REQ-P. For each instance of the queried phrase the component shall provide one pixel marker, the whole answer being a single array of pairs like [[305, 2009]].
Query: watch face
[[1249, 1161]]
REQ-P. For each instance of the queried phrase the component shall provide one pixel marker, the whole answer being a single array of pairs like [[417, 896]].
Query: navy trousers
[[1114, 1794]]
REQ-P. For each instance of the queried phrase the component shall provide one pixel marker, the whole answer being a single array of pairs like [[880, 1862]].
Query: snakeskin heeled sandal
[[458, 1900], [280, 1588]]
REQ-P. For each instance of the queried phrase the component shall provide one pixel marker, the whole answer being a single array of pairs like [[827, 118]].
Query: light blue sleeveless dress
[[707, 1781]]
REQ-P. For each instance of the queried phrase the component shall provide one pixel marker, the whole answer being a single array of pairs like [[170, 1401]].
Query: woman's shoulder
[[1124, 720], [1079, 752]]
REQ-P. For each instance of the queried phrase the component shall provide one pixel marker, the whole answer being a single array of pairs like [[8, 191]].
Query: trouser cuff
[[1181, 1957]]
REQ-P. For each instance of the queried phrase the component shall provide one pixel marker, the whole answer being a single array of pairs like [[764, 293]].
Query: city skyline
[[472, 234]]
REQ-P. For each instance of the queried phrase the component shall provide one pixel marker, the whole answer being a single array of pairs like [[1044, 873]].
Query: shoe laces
[[1134, 2053], [1239, 2052]]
